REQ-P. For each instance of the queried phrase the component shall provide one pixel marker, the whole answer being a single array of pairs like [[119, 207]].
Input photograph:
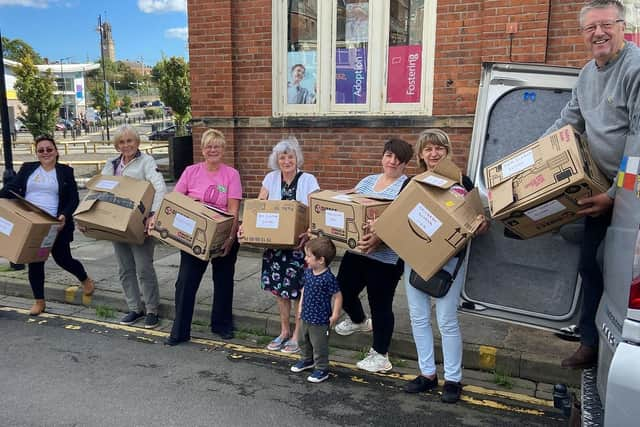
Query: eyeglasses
[[605, 25], [45, 150]]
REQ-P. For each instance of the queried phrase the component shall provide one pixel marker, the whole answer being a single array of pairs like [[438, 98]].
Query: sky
[[143, 30]]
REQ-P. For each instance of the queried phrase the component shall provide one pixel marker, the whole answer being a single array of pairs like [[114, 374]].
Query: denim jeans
[[447, 316]]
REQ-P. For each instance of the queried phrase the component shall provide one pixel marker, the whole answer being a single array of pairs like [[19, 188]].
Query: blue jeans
[[447, 316]]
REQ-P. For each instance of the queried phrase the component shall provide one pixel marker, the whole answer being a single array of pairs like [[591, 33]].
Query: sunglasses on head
[[45, 150]]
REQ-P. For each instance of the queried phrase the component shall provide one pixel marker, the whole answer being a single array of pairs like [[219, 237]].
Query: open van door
[[532, 281]]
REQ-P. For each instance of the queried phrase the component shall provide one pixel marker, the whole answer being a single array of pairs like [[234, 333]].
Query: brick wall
[[230, 54]]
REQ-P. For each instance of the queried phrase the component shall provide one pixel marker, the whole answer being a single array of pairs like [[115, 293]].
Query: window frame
[[377, 59]]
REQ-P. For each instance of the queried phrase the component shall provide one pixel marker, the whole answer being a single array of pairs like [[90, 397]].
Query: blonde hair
[[212, 135], [122, 132], [431, 136]]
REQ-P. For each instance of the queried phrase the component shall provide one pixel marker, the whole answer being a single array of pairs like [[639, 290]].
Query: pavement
[[489, 345]]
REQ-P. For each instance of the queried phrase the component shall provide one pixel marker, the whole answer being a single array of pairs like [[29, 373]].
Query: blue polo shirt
[[318, 291]]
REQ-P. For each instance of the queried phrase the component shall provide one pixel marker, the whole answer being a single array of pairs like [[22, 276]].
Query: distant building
[[108, 47], [138, 67]]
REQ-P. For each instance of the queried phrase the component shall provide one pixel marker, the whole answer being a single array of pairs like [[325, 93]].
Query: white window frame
[[377, 58]]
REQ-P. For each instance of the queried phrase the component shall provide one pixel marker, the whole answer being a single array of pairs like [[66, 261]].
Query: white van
[[535, 281]]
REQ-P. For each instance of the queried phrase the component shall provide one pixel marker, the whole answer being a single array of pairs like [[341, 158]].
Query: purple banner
[[351, 75]]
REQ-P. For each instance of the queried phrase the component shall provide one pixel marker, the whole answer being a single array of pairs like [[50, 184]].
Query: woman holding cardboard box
[[378, 268], [432, 146], [135, 262], [218, 185], [52, 187]]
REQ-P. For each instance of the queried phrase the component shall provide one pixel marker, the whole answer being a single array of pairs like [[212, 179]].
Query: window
[[329, 57], [632, 17]]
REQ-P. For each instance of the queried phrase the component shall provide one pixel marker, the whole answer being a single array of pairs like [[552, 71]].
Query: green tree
[[125, 106], [36, 92], [172, 77], [16, 49], [97, 94]]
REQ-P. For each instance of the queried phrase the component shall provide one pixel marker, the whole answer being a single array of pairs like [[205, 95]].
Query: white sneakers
[[375, 362], [347, 327]]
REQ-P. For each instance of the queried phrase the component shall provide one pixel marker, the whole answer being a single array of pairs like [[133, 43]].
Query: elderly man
[[605, 105]]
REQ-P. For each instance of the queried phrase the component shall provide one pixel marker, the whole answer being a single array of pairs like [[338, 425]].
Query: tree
[[16, 49], [97, 94], [36, 92], [125, 107], [172, 76]]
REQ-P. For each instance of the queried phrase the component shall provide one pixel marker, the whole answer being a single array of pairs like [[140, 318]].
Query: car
[[536, 281], [157, 103], [166, 133], [63, 124], [20, 127]]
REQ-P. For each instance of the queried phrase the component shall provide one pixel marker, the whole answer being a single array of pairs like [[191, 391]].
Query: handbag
[[437, 285]]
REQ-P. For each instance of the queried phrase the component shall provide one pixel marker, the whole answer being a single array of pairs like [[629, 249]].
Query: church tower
[[107, 42]]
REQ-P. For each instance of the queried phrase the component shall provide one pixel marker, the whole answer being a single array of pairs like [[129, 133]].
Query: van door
[[532, 281]]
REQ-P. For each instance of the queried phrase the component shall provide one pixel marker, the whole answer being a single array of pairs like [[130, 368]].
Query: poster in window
[[301, 77], [351, 75], [405, 74], [357, 23]]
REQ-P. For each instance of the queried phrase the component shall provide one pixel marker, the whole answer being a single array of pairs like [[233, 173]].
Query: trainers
[[151, 321], [451, 392], [131, 317], [347, 327], [420, 384], [318, 376], [302, 365], [375, 362]]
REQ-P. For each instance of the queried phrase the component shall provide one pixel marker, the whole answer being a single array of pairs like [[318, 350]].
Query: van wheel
[[164, 234], [352, 243], [572, 189], [197, 250], [320, 233]]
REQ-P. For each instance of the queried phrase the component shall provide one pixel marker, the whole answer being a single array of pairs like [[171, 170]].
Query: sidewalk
[[518, 351]]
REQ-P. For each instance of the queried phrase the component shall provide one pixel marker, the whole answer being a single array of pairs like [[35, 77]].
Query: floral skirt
[[282, 271]]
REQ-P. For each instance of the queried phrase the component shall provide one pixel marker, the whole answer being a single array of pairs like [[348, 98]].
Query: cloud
[[40, 4], [160, 6], [177, 33]]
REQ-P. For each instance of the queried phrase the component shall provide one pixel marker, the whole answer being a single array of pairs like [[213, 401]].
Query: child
[[320, 285]]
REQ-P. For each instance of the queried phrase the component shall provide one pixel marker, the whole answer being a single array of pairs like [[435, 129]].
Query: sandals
[[290, 346], [278, 343]]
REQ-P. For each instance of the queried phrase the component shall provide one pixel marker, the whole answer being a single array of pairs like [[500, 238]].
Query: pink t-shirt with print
[[212, 188]]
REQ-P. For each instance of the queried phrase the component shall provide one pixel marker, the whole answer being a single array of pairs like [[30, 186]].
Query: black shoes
[[420, 384], [131, 317], [585, 357], [225, 335], [151, 321], [451, 392], [170, 341]]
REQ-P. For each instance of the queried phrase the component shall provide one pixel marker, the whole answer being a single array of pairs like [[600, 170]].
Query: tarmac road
[[63, 370]]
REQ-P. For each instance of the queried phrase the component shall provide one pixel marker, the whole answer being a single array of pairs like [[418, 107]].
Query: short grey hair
[[122, 132], [602, 4], [287, 145]]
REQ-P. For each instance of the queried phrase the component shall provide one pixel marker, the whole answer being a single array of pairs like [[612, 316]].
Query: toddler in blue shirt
[[319, 288]]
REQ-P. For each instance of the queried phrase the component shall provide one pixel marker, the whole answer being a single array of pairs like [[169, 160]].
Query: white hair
[[288, 145]]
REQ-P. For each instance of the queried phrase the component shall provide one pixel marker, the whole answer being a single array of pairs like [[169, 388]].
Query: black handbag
[[439, 284]]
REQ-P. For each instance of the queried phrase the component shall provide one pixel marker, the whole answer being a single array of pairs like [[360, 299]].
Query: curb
[[476, 357]]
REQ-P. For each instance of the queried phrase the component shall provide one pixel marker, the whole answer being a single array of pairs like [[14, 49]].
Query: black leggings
[[357, 272], [61, 253]]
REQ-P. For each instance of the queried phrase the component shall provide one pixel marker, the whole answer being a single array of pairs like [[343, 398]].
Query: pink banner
[[633, 37], [404, 74]]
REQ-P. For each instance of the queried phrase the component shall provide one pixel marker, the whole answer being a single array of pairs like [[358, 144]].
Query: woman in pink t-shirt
[[216, 184]]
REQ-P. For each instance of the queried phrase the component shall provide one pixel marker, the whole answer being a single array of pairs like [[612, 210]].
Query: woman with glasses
[[52, 187]]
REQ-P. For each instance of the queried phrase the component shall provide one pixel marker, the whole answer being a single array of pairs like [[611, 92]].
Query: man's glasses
[[45, 150], [605, 25]]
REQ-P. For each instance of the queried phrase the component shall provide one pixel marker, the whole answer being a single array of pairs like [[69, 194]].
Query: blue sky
[[58, 29]]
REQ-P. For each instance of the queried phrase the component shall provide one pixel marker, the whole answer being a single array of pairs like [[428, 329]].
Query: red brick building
[[373, 69]]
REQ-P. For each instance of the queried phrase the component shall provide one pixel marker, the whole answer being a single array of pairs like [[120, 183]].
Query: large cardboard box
[[273, 223], [27, 233], [191, 226], [430, 222], [343, 216], [537, 188], [116, 208]]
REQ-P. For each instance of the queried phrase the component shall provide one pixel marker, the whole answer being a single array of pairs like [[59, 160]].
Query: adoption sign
[[351, 75]]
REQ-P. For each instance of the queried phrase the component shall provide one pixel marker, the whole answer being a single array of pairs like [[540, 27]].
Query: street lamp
[[136, 84], [63, 88]]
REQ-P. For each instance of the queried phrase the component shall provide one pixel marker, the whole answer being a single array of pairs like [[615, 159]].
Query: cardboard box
[[342, 216], [27, 233], [429, 222], [537, 188], [273, 223], [115, 209], [192, 226]]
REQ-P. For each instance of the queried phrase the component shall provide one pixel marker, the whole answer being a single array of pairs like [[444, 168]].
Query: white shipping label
[[48, 240], [434, 180], [334, 219], [268, 220], [517, 164], [425, 219], [6, 227], [342, 197], [106, 184], [184, 224], [545, 210]]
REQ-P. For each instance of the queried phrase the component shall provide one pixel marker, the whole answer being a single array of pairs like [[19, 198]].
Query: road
[[60, 370]]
